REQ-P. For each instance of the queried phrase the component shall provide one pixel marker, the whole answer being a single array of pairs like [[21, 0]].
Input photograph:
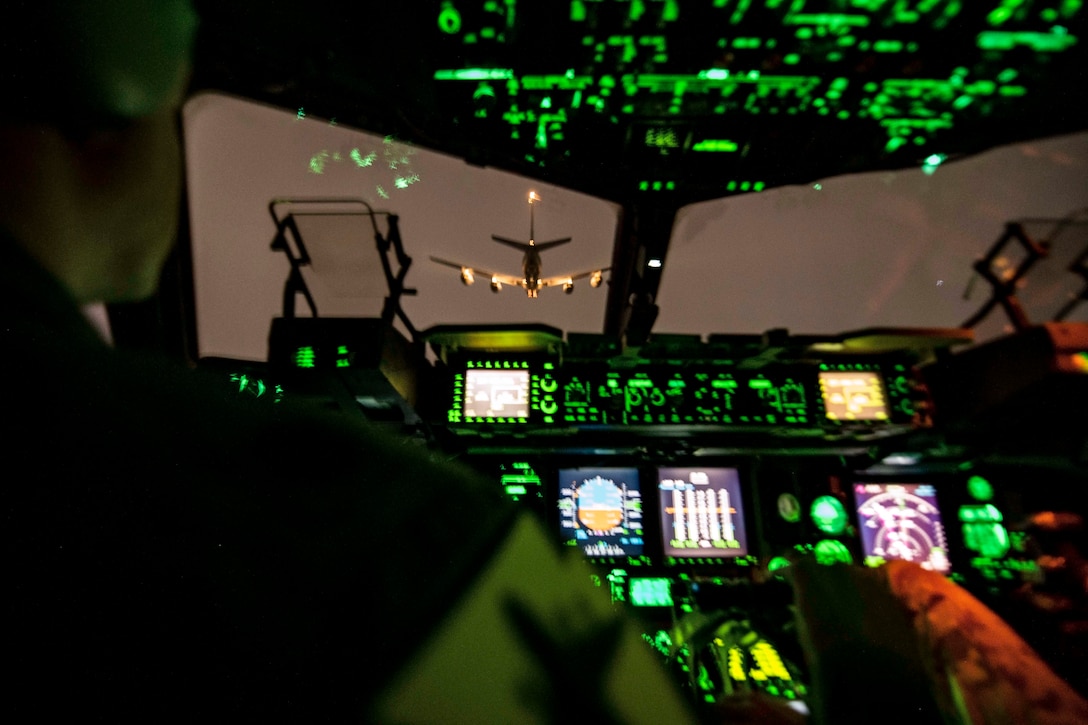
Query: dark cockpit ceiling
[[655, 104]]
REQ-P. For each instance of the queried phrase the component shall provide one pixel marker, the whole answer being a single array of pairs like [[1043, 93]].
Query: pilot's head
[[89, 95]]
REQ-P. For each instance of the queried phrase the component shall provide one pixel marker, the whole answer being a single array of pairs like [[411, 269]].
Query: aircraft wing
[[595, 275], [470, 273]]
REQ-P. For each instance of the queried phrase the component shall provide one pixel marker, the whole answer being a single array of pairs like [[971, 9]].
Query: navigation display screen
[[496, 394], [600, 511], [901, 521], [853, 396], [702, 512]]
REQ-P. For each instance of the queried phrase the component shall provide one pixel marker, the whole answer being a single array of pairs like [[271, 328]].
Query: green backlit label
[[305, 357], [651, 592]]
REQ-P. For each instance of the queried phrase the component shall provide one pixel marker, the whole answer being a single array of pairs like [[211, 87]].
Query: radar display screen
[[496, 394], [901, 521], [702, 514], [600, 511], [857, 395]]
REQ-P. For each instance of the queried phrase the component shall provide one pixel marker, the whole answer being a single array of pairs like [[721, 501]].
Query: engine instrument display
[[901, 521], [702, 514]]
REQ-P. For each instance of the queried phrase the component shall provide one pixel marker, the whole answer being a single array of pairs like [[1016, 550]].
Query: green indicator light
[[723, 145], [894, 144], [829, 551], [640, 383], [1039, 42], [729, 384], [515, 479], [789, 508], [483, 90], [887, 46], [830, 20], [979, 488], [515, 490], [449, 20], [304, 357], [778, 562], [759, 384], [1002, 13], [828, 515], [716, 74], [677, 384], [474, 74], [990, 539]]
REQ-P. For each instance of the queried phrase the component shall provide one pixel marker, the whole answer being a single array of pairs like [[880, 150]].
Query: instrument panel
[[504, 391], [691, 474]]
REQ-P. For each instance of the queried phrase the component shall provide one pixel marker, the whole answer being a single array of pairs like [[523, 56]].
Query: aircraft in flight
[[531, 265]]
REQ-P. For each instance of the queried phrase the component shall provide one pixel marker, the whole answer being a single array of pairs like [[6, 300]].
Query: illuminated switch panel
[[664, 396]]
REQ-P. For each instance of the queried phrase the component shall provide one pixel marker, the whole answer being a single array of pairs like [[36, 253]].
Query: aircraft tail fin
[[554, 243], [522, 246]]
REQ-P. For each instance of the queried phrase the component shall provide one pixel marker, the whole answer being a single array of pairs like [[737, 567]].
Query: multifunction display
[[901, 521], [496, 394], [855, 395], [702, 514], [600, 511]]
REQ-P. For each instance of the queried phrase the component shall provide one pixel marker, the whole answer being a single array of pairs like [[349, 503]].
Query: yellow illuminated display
[[857, 395]]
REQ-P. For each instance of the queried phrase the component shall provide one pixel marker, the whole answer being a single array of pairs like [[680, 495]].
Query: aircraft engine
[[568, 287], [595, 279], [467, 277], [496, 285]]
